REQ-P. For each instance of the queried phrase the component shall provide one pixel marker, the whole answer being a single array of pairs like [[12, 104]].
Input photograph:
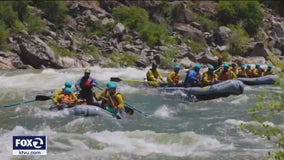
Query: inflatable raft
[[89, 110], [222, 89], [268, 79]]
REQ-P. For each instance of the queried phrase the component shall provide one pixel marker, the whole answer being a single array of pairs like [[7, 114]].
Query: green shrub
[[268, 108], [35, 24], [152, 33], [60, 51], [197, 47], [97, 28], [234, 12], [225, 55], [132, 17], [91, 50], [9, 16], [55, 11], [239, 39], [138, 19], [4, 34], [206, 22], [22, 8], [168, 55], [126, 59]]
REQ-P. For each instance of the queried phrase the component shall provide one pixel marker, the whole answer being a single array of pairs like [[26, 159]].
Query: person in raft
[[193, 77], [66, 99], [112, 100], [173, 77], [209, 77], [154, 76], [85, 87], [257, 71], [58, 92], [242, 71], [268, 71], [227, 74]]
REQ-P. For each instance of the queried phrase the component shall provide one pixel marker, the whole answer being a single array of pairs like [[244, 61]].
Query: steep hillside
[[59, 34]]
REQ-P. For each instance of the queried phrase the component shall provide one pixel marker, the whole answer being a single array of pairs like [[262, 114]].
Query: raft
[[222, 89], [268, 79], [89, 110]]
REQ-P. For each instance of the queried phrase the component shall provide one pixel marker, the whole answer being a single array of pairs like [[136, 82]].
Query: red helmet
[[220, 57]]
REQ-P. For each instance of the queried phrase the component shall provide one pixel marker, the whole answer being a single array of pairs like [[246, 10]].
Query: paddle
[[129, 108], [117, 79], [37, 98]]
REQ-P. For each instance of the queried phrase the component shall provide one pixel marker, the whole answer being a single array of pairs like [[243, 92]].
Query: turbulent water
[[175, 129]]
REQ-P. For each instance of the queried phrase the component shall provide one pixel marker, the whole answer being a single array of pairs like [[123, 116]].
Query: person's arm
[[233, 75], [94, 82], [150, 76], [160, 75], [120, 101], [77, 85], [170, 78], [56, 95], [205, 79]]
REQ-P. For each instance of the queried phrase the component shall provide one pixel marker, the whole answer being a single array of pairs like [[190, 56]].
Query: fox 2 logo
[[29, 142]]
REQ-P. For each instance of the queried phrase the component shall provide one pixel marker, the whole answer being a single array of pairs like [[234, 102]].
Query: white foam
[[164, 112]]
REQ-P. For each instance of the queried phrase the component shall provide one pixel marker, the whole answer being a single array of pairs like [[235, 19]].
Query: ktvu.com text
[[29, 145]]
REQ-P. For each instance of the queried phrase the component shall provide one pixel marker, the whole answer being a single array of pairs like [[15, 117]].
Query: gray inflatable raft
[[222, 89], [268, 79], [89, 110]]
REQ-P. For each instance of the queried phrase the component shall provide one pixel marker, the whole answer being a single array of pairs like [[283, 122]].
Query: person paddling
[[268, 71], [66, 99], [209, 77], [227, 74], [58, 92], [173, 77], [193, 77], [154, 76], [85, 87], [112, 100]]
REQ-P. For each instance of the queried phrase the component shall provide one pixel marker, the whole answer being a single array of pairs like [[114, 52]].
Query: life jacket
[[249, 72], [242, 73], [225, 75], [268, 72], [173, 77], [113, 99], [86, 83], [67, 98]]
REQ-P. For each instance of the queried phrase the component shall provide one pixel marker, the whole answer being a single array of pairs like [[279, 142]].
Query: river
[[175, 129]]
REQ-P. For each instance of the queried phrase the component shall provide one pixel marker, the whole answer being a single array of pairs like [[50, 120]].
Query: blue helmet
[[68, 84], [210, 67], [269, 66], [111, 85], [249, 66], [257, 65], [67, 90], [177, 67], [243, 66], [197, 66], [226, 65]]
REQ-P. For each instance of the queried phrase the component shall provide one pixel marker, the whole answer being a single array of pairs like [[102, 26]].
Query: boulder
[[36, 53], [222, 35]]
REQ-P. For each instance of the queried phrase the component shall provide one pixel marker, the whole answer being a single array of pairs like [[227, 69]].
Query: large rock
[[189, 31], [222, 35], [37, 53], [248, 60], [258, 50], [181, 15], [9, 60]]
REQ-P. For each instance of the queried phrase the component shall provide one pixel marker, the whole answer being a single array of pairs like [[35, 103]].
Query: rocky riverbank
[[79, 44]]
